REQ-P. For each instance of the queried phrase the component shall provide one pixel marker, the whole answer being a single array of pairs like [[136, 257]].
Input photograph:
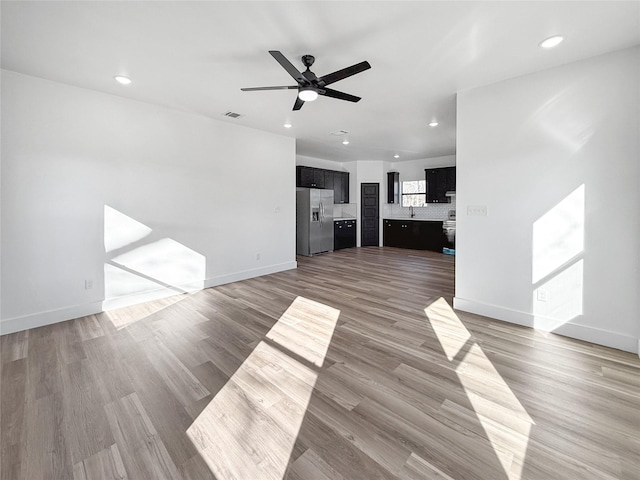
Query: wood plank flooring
[[354, 366]]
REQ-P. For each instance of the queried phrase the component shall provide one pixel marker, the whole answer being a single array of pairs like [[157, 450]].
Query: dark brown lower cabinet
[[344, 234], [414, 234]]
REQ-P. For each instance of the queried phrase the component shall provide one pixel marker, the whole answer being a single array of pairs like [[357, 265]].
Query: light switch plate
[[477, 210]]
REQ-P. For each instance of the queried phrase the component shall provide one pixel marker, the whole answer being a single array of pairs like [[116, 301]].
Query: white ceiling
[[195, 56]]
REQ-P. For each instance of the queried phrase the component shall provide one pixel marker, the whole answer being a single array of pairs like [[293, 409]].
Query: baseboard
[[246, 274], [598, 336], [40, 319]]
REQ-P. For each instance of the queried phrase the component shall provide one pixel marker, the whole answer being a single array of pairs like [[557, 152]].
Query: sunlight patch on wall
[[557, 266], [119, 282], [148, 271], [559, 300], [249, 429], [167, 262], [563, 118], [504, 420], [558, 236], [125, 289], [121, 230]]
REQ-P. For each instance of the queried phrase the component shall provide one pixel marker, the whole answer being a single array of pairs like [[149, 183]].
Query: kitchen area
[[414, 214], [421, 214], [325, 220]]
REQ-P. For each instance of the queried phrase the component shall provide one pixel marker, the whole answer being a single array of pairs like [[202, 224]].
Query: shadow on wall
[[138, 268], [558, 263]]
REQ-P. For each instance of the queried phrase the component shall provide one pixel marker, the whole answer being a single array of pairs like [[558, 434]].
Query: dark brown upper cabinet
[[393, 187], [439, 182], [311, 177]]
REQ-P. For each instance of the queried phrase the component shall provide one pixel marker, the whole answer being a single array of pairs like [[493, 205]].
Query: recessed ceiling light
[[552, 41], [287, 125], [433, 124], [122, 80], [345, 142], [396, 156]]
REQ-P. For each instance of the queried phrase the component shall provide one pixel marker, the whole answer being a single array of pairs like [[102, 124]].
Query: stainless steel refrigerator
[[314, 221]]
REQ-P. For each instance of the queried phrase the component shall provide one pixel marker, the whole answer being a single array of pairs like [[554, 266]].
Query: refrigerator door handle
[[321, 214]]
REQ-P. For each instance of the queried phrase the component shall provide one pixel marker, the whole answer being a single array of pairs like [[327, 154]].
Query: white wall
[[554, 157], [414, 169], [180, 201], [319, 163]]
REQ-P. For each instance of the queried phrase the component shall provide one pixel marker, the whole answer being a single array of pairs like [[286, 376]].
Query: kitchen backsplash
[[432, 211], [345, 210]]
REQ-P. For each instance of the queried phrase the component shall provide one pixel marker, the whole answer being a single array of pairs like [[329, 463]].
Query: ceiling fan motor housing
[[307, 60]]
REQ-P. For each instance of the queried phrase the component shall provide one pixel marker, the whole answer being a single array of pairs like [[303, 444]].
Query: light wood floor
[[354, 366]]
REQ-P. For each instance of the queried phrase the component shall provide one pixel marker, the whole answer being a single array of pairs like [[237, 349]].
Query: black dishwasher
[[344, 234]]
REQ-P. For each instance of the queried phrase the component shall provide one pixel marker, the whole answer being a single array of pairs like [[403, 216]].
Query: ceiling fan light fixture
[[307, 94]]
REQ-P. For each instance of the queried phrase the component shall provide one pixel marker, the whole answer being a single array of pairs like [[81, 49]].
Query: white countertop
[[343, 218]]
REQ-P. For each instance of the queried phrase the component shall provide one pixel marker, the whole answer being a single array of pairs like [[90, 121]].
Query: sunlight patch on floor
[[249, 429], [506, 423], [124, 316]]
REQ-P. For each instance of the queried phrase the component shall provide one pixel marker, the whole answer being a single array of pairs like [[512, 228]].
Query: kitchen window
[[414, 193]]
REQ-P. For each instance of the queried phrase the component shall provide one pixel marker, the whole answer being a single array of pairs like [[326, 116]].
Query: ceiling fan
[[309, 85]]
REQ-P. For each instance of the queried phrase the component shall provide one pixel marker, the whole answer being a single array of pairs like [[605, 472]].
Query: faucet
[[411, 212]]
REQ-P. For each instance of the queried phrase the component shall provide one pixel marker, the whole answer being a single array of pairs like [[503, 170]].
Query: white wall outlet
[[542, 296], [88, 284], [257, 256], [477, 210], [277, 209]]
